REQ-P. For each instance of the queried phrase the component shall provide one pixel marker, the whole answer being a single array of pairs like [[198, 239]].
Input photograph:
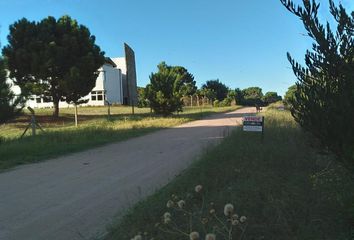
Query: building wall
[[121, 64], [112, 86]]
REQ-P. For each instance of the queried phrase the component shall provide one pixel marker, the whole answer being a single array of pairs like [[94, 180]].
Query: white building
[[109, 87]]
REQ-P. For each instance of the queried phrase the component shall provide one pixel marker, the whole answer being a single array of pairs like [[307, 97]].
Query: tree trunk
[[56, 108]]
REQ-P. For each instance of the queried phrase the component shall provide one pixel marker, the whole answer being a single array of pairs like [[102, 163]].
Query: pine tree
[[324, 100], [167, 87], [54, 58], [10, 105]]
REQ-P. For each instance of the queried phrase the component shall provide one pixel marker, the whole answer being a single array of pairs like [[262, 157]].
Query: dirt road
[[77, 196]]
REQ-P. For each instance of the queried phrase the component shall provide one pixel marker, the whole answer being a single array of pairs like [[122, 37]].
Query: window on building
[[98, 95], [47, 99], [38, 100]]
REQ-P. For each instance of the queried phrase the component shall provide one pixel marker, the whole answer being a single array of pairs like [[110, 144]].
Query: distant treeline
[[173, 86]]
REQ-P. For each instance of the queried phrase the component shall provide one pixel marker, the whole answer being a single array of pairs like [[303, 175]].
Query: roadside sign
[[253, 124]]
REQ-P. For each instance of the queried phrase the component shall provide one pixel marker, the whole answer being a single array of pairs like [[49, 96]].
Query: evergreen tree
[[10, 105], [324, 99], [220, 89], [167, 88], [290, 95], [238, 96], [271, 97], [57, 59], [252, 96]]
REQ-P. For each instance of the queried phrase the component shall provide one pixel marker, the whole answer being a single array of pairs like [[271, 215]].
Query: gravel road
[[76, 196]]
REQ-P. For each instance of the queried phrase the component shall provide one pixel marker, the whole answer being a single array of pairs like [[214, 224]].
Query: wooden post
[[76, 123], [132, 102], [33, 125], [262, 129]]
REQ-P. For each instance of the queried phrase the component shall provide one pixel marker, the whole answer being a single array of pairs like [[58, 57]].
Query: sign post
[[253, 124]]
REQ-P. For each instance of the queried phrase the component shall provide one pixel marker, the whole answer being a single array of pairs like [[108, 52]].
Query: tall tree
[[186, 84], [271, 97], [55, 58], [142, 97], [167, 87], [238, 96], [252, 96], [324, 99], [10, 105], [220, 89], [290, 95]]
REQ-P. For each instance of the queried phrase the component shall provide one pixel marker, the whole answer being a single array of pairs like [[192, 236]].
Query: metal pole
[[76, 115]]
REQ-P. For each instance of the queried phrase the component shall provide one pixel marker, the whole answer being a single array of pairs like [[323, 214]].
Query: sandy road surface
[[76, 196]]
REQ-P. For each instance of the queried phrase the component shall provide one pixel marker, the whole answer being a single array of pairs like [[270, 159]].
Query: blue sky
[[241, 42]]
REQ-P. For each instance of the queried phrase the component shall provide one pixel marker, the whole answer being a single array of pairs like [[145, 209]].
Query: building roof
[[110, 62]]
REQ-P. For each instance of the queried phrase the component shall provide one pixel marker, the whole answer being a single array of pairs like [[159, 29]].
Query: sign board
[[253, 124], [132, 92]]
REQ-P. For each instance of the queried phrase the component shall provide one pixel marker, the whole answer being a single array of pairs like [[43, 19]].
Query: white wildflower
[[194, 236], [181, 204], [167, 215], [235, 222], [228, 209], [210, 236], [166, 220], [138, 237], [243, 219], [198, 188], [169, 204]]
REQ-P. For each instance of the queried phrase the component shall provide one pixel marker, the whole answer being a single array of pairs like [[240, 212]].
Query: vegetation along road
[[77, 196]]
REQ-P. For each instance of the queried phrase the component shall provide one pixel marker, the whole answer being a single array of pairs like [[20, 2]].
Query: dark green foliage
[[252, 96], [324, 99], [290, 95], [186, 83], [10, 105], [218, 87], [208, 93], [55, 58], [228, 101], [142, 98], [167, 87], [238, 96], [271, 97]]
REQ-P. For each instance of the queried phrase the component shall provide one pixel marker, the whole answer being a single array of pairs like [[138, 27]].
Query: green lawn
[[62, 137], [283, 186]]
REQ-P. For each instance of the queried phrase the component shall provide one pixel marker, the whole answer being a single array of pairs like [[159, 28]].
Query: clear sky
[[241, 42]]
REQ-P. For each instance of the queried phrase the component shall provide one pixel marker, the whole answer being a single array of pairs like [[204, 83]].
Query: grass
[[62, 137], [286, 189]]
